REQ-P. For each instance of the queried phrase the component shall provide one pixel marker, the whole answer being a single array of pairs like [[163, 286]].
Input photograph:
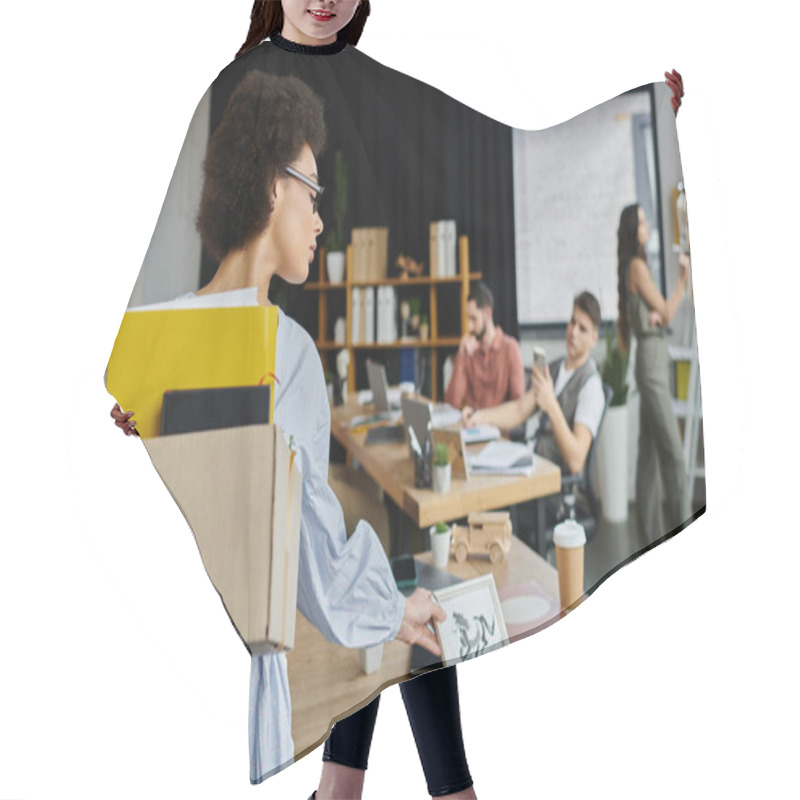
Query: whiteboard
[[571, 182]]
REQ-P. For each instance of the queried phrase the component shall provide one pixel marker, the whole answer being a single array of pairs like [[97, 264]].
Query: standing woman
[[662, 497], [431, 700], [259, 217], [255, 235]]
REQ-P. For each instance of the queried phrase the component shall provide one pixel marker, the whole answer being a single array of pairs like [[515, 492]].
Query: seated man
[[488, 366], [569, 395]]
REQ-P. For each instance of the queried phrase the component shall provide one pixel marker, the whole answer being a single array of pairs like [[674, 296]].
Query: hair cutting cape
[[428, 196]]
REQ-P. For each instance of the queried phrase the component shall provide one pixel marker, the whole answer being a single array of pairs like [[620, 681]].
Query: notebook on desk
[[502, 458], [383, 434]]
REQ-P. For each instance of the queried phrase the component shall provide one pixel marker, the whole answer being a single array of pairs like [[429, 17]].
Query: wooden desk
[[326, 680], [390, 466]]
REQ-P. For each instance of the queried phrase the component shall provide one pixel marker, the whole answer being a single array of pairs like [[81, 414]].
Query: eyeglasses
[[311, 185]]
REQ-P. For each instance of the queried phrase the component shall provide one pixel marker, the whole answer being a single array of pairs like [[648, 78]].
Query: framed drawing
[[474, 622]]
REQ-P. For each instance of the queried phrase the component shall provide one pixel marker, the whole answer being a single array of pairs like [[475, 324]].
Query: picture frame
[[474, 622]]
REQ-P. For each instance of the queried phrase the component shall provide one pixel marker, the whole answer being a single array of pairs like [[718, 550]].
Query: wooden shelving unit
[[433, 343]]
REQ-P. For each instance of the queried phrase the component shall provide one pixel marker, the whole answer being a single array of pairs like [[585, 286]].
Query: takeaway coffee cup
[[569, 539]]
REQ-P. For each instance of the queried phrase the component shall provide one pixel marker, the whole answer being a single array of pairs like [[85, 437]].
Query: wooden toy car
[[486, 532]]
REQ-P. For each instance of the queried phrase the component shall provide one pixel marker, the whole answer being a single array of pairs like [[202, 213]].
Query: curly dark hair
[[628, 248], [266, 19], [265, 125]]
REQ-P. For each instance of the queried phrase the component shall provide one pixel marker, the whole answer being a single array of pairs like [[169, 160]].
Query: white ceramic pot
[[339, 330], [329, 387], [441, 478], [612, 464], [334, 263], [370, 658], [440, 547]]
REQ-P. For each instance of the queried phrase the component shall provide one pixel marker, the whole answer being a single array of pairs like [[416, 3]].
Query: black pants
[[432, 707]]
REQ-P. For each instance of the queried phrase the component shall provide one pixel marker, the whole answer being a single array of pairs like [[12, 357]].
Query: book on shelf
[[378, 254], [370, 254], [369, 314], [355, 321], [386, 304], [359, 251], [443, 249], [433, 252], [448, 234]]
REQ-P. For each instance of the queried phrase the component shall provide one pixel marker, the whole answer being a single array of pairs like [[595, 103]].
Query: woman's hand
[[655, 319], [420, 610], [675, 83], [124, 420]]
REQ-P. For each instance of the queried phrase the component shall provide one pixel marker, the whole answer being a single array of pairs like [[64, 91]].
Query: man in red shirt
[[488, 366]]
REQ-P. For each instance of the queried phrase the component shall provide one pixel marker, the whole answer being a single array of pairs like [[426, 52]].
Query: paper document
[[444, 415], [502, 458], [481, 433]]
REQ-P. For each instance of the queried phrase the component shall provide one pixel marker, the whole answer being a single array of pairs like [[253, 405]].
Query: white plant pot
[[441, 478], [334, 263], [329, 387], [370, 658], [440, 547], [339, 331], [612, 464]]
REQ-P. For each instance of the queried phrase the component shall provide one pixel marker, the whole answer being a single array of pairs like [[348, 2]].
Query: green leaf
[[441, 455], [614, 371]]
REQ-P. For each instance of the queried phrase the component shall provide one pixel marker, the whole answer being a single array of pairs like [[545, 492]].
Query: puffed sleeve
[[345, 587]]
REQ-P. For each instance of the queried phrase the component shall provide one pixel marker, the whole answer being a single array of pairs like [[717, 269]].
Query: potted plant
[[440, 544], [335, 258], [441, 468], [612, 442], [423, 327], [414, 305]]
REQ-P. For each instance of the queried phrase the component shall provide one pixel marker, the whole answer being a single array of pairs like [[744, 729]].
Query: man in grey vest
[[569, 396]]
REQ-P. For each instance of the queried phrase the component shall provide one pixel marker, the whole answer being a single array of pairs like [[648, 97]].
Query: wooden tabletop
[[326, 680], [390, 466]]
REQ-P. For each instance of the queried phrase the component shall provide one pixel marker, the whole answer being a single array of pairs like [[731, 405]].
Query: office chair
[[577, 499]]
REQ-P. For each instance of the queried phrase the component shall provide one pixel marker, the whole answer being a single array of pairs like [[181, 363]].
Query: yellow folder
[[190, 348]]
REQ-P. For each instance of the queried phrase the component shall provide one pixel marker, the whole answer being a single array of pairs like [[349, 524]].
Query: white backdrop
[[119, 675]]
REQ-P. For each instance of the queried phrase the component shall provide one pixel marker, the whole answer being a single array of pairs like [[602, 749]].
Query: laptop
[[379, 385], [416, 416]]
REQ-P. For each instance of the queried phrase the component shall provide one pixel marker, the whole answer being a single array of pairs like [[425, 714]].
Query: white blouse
[[345, 586]]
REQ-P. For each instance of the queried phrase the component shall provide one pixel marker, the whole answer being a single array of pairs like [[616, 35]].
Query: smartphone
[[539, 359], [404, 569]]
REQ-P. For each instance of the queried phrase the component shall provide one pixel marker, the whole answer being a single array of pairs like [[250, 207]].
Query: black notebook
[[191, 410]]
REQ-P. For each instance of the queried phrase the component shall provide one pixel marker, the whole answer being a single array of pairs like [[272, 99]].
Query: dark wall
[[414, 155]]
